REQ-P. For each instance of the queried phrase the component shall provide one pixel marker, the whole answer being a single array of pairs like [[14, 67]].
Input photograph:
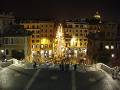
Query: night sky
[[62, 9]]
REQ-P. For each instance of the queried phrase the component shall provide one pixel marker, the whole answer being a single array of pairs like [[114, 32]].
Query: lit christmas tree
[[59, 42]]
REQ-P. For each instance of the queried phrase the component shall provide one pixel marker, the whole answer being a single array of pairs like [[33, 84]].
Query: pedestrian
[[67, 67], [75, 67], [62, 66], [34, 65]]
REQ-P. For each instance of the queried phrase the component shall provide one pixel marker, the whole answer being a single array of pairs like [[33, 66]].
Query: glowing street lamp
[[112, 55], [2, 51], [112, 47], [107, 47]]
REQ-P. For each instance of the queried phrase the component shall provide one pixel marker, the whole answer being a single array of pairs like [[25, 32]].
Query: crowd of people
[[62, 66]]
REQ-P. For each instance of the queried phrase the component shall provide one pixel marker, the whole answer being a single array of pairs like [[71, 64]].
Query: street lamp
[[112, 47], [107, 47], [2, 51], [3, 55], [112, 55]]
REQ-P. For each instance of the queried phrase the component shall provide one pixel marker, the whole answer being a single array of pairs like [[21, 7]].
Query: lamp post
[[3, 55], [111, 47]]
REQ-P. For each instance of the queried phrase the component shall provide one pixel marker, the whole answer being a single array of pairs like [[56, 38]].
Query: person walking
[[75, 67], [62, 66], [34, 65]]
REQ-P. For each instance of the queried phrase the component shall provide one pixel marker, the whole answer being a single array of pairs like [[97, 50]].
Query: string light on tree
[[60, 42]]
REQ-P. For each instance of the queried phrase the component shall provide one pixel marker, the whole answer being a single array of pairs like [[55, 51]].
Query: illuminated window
[[38, 46], [33, 46], [42, 46], [46, 45]]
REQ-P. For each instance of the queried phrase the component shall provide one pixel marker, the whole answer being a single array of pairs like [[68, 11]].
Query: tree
[[59, 42]]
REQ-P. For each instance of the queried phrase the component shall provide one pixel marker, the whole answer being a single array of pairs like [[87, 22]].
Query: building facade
[[13, 38], [41, 42], [75, 33], [105, 40], [6, 19], [14, 43]]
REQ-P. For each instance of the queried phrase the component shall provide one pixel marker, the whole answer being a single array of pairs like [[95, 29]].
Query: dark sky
[[109, 9]]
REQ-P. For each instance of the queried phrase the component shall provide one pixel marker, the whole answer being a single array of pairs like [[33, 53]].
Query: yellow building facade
[[76, 36], [41, 42], [76, 39]]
